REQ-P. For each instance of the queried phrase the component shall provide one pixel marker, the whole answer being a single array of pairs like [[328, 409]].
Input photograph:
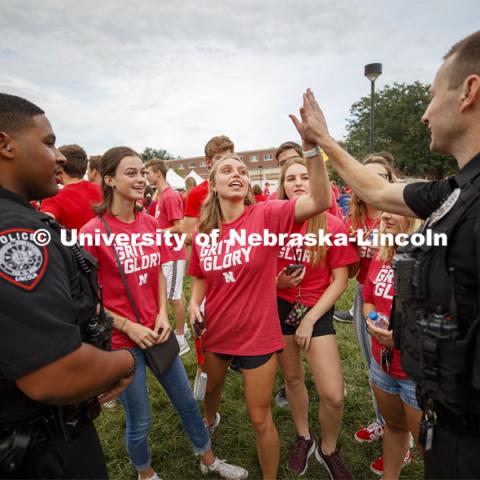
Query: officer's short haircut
[[77, 160], [467, 59], [287, 146], [157, 165], [94, 162], [218, 145], [16, 113]]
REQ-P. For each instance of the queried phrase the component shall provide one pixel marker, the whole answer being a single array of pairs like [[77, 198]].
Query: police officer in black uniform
[[50, 376], [437, 308]]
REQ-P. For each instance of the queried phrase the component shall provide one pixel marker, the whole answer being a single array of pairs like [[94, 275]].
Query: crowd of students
[[259, 312]]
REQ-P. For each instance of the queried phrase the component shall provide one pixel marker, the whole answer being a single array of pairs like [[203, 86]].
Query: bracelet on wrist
[[313, 152], [123, 324], [128, 349]]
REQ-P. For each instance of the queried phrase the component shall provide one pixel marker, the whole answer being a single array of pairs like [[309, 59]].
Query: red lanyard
[[199, 349]]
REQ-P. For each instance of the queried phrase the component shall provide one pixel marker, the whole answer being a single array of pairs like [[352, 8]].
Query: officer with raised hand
[[50, 376], [437, 312]]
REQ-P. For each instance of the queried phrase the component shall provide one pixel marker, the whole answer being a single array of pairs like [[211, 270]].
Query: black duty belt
[[469, 423]]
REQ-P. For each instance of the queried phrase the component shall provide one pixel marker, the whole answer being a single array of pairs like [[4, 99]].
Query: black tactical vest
[[440, 346]]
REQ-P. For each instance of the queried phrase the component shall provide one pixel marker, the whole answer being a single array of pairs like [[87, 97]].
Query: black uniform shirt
[[463, 251], [37, 321]]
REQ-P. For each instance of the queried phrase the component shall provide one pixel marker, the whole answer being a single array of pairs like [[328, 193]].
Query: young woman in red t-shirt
[[393, 390], [238, 284], [324, 281], [123, 184], [365, 219]]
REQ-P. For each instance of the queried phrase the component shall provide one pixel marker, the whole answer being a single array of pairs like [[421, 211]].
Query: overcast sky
[[172, 74]]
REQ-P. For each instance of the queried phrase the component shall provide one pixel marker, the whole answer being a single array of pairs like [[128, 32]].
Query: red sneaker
[[369, 434], [377, 465]]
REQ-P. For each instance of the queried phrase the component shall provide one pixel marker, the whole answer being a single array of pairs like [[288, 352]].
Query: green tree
[[398, 110], [150, 153]]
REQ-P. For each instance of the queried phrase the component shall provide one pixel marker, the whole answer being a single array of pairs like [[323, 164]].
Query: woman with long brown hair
[[238, 284], [137, 301], [306, 322]]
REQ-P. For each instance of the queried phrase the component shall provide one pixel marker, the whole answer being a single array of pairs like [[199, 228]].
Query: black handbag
[[161, 355]]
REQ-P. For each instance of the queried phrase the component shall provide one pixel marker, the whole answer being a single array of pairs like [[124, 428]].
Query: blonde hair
[[211, 212], [314, 224], [386, 252], [357, 211]]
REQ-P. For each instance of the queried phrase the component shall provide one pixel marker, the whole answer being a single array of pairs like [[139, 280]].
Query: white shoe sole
[[310, 453], [322, 461]]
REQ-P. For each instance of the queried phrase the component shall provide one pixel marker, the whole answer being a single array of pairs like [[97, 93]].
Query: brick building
[[261, 165]]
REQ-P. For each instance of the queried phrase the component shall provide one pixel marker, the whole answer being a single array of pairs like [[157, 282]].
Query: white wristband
[[315, 151]]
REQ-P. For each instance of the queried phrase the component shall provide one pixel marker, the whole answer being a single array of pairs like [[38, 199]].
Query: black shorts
[[247, 362], [323, 326]]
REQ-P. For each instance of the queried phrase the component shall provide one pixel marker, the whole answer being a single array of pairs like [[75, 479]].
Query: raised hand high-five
[[312, 127]]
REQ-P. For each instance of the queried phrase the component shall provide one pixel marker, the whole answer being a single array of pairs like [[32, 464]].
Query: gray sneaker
[[343, 316], [211, 428], [224, 469], [281, 400]]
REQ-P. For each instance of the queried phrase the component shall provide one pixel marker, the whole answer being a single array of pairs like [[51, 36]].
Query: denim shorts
[[395, 386]]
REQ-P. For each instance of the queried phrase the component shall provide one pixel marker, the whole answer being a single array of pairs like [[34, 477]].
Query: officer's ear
[[6, 145]]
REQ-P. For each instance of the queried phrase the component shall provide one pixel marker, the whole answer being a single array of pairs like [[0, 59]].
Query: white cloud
[[171, 75]]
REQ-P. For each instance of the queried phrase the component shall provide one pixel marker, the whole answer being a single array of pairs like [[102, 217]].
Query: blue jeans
[[404, 388], [364, 339], [136, 404]]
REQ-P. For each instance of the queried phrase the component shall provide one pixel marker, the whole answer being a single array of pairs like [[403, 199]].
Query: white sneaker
[[187, 332], [184, 346], [110, 404], [224, 469], [216, 423], [153, 477]]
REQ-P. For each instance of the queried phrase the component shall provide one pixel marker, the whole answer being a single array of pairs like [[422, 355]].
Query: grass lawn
[[234, 438]]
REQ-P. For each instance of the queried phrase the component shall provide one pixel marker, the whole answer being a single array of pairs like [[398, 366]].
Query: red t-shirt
[[240, 308], [259, 197], [273, 195], [169, 207], [317, 279], [365, 252], [72, 205], [195, 199], [378, 290], [142, 268], [151, 208]]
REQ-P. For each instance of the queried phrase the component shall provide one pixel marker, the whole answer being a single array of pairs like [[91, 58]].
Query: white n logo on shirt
[[142, 279], [229, 278]]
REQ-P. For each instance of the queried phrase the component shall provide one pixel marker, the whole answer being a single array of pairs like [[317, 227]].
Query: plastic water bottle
[[381, 320]]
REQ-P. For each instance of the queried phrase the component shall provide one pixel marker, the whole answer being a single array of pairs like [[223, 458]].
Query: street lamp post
[[372, 72], [260, 167]]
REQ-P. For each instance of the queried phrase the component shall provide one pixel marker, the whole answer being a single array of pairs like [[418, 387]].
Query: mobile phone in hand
[[294, 267], [198, 327]]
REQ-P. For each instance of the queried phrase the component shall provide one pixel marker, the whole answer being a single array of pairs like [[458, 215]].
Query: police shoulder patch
[[22, 262]]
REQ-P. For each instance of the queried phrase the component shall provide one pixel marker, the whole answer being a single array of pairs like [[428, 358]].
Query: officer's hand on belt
[[382, 335]]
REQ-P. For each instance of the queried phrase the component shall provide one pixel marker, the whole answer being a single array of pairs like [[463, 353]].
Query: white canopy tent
[[196, 176], [176, 181]]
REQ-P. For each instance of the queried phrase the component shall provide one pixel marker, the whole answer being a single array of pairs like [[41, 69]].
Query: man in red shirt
[[72, 205], [215, 148], [169, 214]]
